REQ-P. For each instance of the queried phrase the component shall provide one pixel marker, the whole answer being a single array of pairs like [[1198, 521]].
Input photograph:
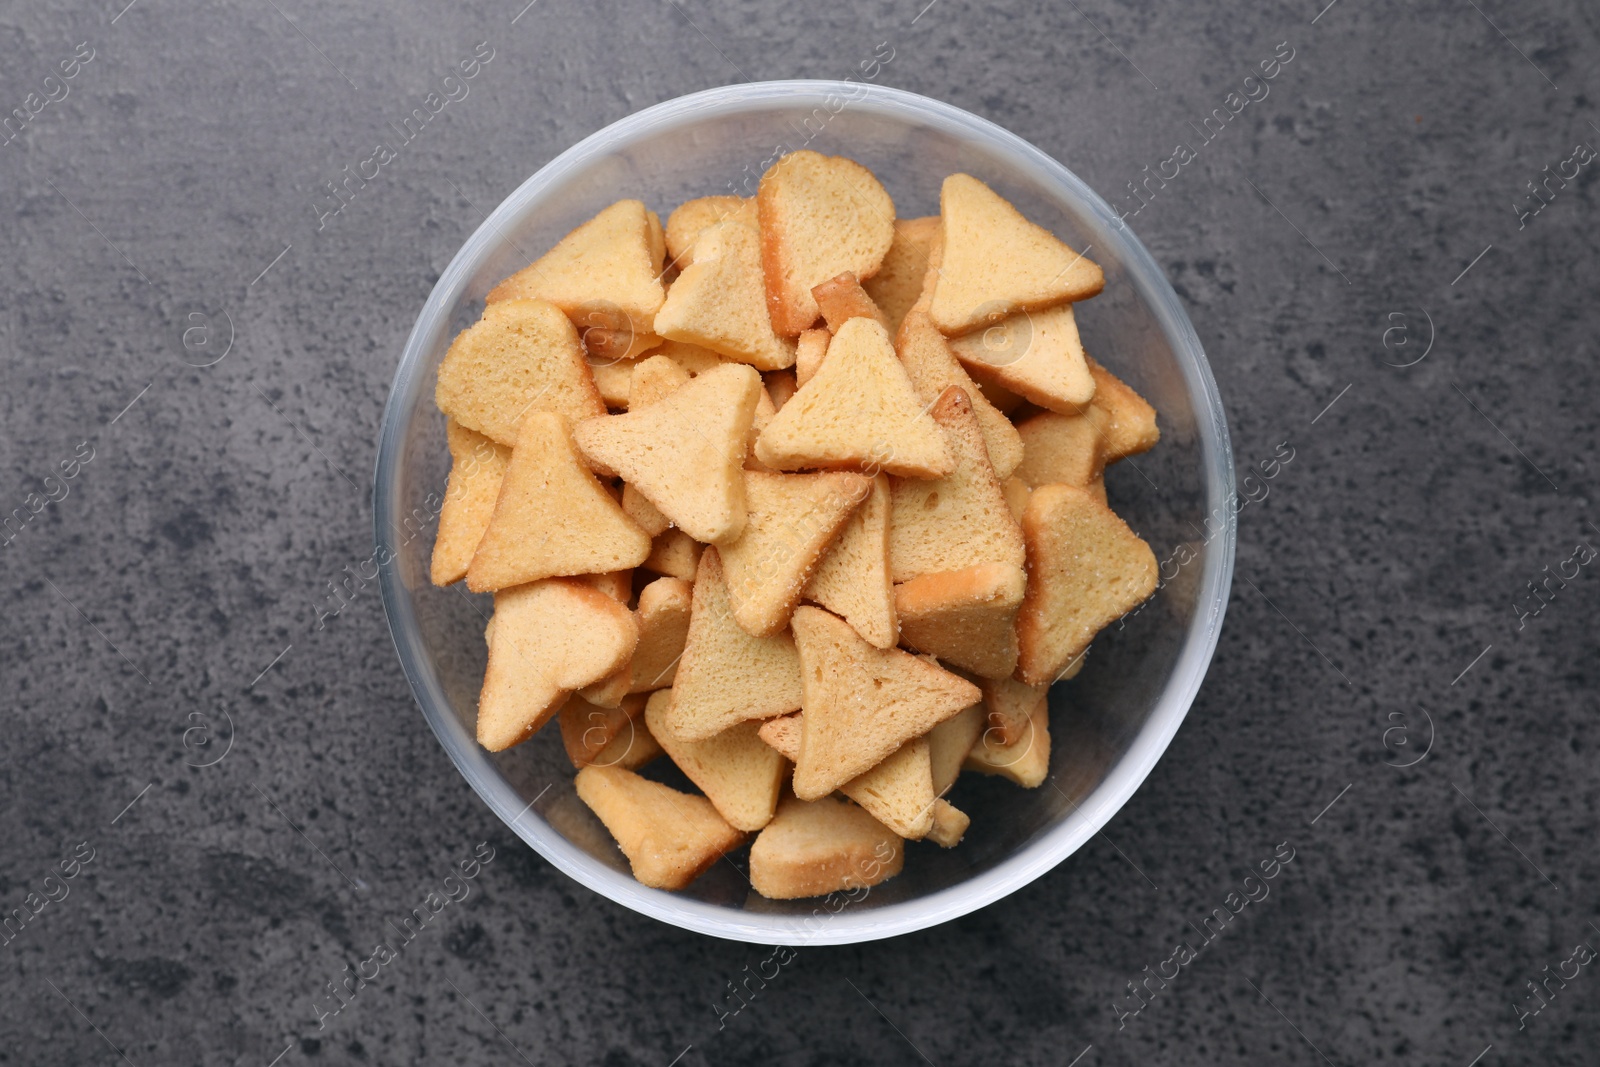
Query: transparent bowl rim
[[1047, 849]]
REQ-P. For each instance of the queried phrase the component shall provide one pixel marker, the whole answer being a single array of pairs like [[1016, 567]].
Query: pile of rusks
[[805, 497]]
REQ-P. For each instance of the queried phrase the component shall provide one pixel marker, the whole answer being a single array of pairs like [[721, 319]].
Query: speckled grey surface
[[167, 202]]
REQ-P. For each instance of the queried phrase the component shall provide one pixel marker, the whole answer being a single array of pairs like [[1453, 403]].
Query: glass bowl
[[1108, 726]]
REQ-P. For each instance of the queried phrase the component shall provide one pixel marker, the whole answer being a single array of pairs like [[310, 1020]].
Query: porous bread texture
[[843, 298], [550, 639], [739, 773], [612, 378], [1085, 569], [933, 368], [897, 792], [1129, 423], [820, 216], [827, 845], [606, 274], [586, 729], [861, 703], [949, 743], [859, 412], [852, 580], [994, 262], [675, 554], [1063, 450], [809, 351], [670, 838], [1035, 354], [693, 217], [1016, 492], [552, 518], [957, 521], [477, 466], [1008, 704], [684, 452], [898, 282], [663, 617], [521, 356], [967, 618], [727, 675], [719, 301], [793, 519], [1026, 760]]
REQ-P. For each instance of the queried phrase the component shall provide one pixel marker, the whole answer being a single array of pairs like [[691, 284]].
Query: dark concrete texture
[[1380, 584]]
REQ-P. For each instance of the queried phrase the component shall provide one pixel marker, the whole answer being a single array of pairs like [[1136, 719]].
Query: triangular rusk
[[1128, 423], [841, 299], [822, 847], [967, 618], [853, 578], [477, 466], [606, 274], [898, 282], [1035, 354], [1085, 569], [693, 217], [994, 262], [1025, 760], [685, 452], [1007, 704], [663, 617], [522, 356], [552, 517], [735, 769], [861, 703], [674, 554], [793, 518], [897, 792], [933, 368], [586, 729], [726, 675], [718, 301], [549, 639], [953, 522], [670, 838], [949, 743], [858, 412]]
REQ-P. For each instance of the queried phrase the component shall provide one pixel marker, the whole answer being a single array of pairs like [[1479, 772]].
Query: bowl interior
[[1108, 725]]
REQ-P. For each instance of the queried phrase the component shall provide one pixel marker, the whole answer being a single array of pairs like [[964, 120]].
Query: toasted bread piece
[[957, 521], [793, 518], [739, 774], [1062, 449], [765, 409], [897, 792], [522, 356], [618, 585], [640, 510], [612, 377], [552, 517], [781, 385], [933, 369], [719, 302], [663, 617], [692, 217], [632, 748], [1035, 354], [852, 580], [692, 358], [477, 466], [967, 618], [605, 274], [685, 452], [949, 824], [1129, 424], [654, 378], [670, 838], [726, 675], [550, 638], [820, 216], [827, 845], [994, 262], [609, 691], [586, 729], [1026, 760], [949, 743], [674, 554], [809, 352], [862, 702], [1008, 704], [860, 412], [930, 277], [604, 342], [898, 282], [843, 298], [1016, 492], [1085, 569]]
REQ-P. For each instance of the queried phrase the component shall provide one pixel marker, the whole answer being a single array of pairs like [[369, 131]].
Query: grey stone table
[[184, 506]]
